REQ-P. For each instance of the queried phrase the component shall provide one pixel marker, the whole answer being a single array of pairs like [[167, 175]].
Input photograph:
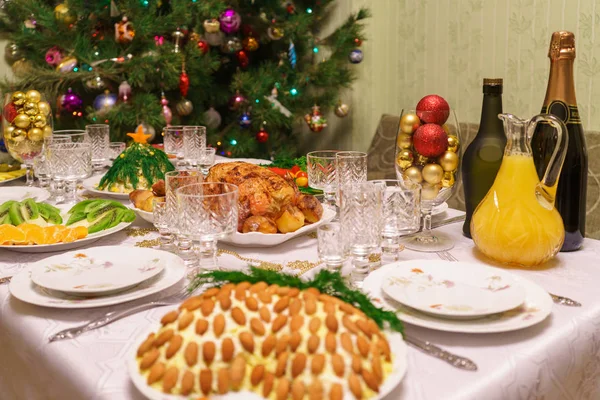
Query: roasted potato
[[142, 199], [310, 207], [259, 223], [291, 220]]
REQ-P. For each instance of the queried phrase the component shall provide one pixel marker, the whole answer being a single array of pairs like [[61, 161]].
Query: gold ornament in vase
[[21, 121], [404, 159], [18, 98], [17, 135], [453, 144], [35, 134], [429, 192], [432, 174], [47, 131], [420, 159], [404, 141], [449, 161], [448, 180], [409, 123], [33, 96], [30, 108], [414, 174], [44, 107], [39, 121]]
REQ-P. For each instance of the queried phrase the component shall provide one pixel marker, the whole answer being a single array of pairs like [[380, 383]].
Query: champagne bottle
[[483, 156], [560, 101]]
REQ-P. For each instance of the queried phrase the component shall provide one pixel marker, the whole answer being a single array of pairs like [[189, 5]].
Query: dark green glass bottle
[[482, 158]]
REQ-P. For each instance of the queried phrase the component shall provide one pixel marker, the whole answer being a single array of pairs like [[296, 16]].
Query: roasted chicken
[[268, 203]]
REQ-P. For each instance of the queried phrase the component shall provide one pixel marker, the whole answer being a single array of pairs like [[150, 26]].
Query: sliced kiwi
[[15, 213], [30, 209], [5, 219], [79, 207], [103, 222], [50, 213], [99, 211], [76, 217], [5, 207]]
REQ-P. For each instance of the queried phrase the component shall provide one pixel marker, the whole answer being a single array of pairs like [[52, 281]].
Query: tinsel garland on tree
[[248, 70]]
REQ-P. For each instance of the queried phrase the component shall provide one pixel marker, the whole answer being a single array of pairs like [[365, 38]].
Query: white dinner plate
[[451, 290], [91, 185], [21, 174], [20, 193], [537, 306], [257, 239], [95, 271], [47, 248], [22, 287], [399, 365], [256, 161]]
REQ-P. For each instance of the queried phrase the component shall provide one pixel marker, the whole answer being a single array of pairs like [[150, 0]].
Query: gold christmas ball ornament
[[420, 159], [449, 161], [453, 144], [433, 173], [212, 25], [18, 98], [429, 192], [47, 131], [409, 123], [404, 159], [184, 107], [18, 135], [12, 52], [35, 134], [64, 15], [44, 107], [414, 174], [8, 131], [21, 68], [404, 141], [448, 179], [34, 96], [67, 64], [21, 121], [30, 108], [341, 110], [39, 121], [250, 44]]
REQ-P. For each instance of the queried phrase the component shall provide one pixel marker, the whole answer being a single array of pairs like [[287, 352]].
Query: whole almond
[[315, 390], [205, 380], [312, 291], [265, 297], [364, 327], [191, 353], [251, 303], [174, 346], [185, 320], [295, 306], [296, 322], [349, 324], [169, 317], [278, 323], [298, 389], [156, 373], [228, 288], [240, 292], [373, 328], [211, 293], [283, 291], [298, 364], [370, 380], [268, 345], [191, 304], [258, 372], [146, 345], [219, 325], [282, 344], [329, 307], [355, 386], [337, 362], [281, 364], [237, 372], [310, 305], [294, 292], [257, 327], [208, 352], [207, 307], [238, 316], [330, 342], [244, 285], [363, 345], [314, 324], [187, 383], [268, 384], [317, 364], [149, 359], [346, 340], [313, 344], [356, 364], [383, 344], [325, 298], [201, 326], [223, 381], [283, 388], [265, 314], [295, 340], [164, 337], [224, 301], [336, 392], [377, 368], [227, 349], [331, 322], [258, 287], [347, 308], [247, 341], [281, 304]]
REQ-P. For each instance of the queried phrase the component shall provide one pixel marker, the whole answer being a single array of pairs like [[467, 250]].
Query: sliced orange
[[54, 233], [34, 234], [68, 236], [80, 232], [11, 235]]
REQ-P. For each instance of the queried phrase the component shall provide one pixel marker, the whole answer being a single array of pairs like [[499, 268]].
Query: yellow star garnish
[[139, 136]]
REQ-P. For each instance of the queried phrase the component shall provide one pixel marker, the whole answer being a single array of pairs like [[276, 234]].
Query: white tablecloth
[[556, 359]]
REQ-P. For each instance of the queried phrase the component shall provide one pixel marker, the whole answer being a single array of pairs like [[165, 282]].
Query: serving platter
[[20, 193], [91, 184]]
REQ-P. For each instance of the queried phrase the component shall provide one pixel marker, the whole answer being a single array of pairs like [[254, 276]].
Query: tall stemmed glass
[[208, 212], [437, 174], [71, 162], [41, 164], [360, 219], [320, 167]]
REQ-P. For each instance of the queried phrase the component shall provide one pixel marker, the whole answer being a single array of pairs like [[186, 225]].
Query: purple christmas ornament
[[71, 102], [54, 56], [230, 21], [167, 113]]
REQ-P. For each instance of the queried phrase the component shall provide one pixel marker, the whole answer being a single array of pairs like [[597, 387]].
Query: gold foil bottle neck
[[562, 45], [492, 81]]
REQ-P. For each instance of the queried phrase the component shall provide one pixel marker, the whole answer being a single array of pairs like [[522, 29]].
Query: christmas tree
[[249, 70]]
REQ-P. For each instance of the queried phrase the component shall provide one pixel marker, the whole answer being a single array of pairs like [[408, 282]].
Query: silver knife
[[437, 224], [432, 350]]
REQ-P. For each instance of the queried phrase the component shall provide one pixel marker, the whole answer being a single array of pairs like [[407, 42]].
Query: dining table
[[558, 358]]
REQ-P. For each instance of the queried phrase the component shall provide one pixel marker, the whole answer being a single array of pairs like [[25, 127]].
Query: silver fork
[[113, 316], [565, 301]]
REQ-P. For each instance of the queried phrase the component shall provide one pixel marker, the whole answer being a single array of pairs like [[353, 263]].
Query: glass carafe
[[516, 222]]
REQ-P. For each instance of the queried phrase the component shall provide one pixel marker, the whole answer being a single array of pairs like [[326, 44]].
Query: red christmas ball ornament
[[433, 109], [184, 83], [203, 46], [10, 112], [262, 136], [243, 59], [430, 140]]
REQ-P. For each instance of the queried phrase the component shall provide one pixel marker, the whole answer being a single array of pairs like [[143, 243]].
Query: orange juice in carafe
[[516, 222]]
